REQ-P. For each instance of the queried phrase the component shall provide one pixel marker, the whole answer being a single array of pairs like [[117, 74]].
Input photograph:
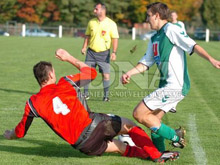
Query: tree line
[[127, 12]]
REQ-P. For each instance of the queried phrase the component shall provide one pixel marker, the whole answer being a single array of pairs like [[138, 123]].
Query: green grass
[[198, 112]]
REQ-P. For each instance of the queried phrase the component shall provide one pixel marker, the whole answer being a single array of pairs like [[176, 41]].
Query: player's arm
[[190, 46], [139, 68], [23, 126], [86, 75], [63, 55], [114, 48], [114, 37], [144, 64], [85, 44], [202, 53], [87, 38]]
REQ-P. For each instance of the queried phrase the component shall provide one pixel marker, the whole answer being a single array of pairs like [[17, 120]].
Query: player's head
[[160, 8], [44, 72], [156, 12], [100, 9], [173, 16]]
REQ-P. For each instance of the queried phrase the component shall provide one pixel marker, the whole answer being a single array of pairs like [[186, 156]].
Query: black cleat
[[167, 155], [181, 132], [172, 110], [106, 99]]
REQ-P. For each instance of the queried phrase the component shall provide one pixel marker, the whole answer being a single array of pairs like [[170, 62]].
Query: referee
[[101, 33]]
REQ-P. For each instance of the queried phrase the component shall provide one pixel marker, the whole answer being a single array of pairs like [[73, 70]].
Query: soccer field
[[198, 113]]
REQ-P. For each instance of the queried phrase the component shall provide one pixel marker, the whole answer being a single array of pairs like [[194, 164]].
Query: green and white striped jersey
[[181, 25], [167, 49]]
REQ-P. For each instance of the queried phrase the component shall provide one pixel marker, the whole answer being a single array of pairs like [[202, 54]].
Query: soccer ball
[[125, 138]]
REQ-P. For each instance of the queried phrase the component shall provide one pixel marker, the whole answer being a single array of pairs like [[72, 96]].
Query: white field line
[[198, 151]]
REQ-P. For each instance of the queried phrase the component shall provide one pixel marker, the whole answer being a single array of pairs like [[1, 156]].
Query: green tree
[[26, 11], [76, 12], [137, 10], [79, 12], [40, 11], [210, 13], [117, 10], [186, 9], [7, 10], [49, 11]]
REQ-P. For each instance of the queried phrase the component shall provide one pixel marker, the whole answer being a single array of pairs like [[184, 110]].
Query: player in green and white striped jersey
[[167, 50], [173, 17]]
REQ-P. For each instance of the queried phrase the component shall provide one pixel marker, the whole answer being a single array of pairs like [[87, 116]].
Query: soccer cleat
[[167, 155], [86, 97], [106, 99], [181, 132], [172, 110]]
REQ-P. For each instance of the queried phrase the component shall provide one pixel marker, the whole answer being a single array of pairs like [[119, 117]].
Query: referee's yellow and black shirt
[[101, 34]]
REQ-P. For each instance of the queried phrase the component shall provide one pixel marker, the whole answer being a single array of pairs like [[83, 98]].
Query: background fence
[[15, 29]]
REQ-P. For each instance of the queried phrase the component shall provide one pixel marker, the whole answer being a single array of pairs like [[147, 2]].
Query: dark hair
[[161, 8], [103, 6], [41, 71]]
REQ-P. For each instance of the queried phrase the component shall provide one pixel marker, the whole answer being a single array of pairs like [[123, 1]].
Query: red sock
[[133, 151], [141, 139]]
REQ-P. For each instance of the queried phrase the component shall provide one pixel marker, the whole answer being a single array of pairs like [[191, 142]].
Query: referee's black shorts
[[102, 59], [105, 129]]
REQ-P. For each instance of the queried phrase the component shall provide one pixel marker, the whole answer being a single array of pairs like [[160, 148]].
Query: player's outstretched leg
[[134, 151], [142, 140], [176, 136], [181, 132], [158, 141], [168, 155]]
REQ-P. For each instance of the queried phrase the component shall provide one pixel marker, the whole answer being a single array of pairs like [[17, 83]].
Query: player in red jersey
[[65, 110]]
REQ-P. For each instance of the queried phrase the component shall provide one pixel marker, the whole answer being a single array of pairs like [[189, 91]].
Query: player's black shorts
[[102, 129]]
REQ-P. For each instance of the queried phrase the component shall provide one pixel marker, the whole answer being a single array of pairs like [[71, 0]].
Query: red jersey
[[59, 105]]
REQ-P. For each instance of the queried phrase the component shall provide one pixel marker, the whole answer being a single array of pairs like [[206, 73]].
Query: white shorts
[[165, 99]]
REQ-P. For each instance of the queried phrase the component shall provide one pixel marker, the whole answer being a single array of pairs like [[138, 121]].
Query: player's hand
[[62, 54], [113, 56], [83, 51], [125, 78], [216, 63], [10, 134]]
